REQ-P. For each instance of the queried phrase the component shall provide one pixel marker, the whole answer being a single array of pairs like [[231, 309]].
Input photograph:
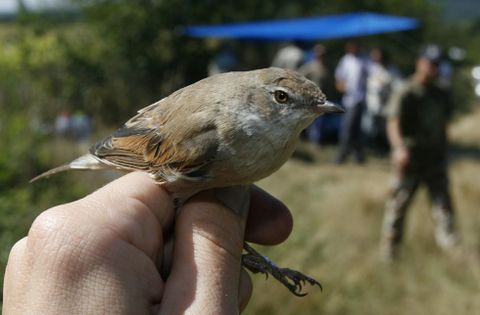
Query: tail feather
[[85, 162]]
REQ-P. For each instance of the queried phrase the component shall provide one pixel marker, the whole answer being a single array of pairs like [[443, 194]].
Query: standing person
[[382, 78], [317, 71], [63, 124], [418, 115], [350, 77]]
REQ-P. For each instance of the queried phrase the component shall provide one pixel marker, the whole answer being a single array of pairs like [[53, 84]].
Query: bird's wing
[[151, 142]]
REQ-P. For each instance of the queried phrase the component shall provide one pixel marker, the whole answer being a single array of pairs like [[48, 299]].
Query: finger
[[134, 207], [269, 220], [207, 253], [245, 289], [15, 276]]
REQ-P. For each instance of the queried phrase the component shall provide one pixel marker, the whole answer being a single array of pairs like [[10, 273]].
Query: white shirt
[[380, 83], [352, 69]]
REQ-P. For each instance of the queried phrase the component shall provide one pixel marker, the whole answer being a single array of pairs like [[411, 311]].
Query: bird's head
[[288, 90], [288, 94]]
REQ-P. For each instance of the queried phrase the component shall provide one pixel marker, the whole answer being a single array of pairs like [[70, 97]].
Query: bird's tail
[[85, 162]]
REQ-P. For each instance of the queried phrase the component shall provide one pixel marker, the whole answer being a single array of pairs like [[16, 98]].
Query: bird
[[228, 129]]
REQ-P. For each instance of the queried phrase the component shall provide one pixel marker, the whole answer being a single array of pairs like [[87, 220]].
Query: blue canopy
[[310, 28]]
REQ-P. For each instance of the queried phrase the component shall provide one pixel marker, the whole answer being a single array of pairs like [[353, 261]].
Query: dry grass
[[338, 213]]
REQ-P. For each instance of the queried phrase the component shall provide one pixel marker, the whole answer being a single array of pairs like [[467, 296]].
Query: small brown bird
[[226, 130]]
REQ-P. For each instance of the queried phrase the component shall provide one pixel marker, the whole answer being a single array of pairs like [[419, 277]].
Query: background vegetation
[[111, 58]]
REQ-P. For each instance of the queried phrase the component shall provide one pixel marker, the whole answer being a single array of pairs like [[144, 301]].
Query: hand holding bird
[[230, 129]]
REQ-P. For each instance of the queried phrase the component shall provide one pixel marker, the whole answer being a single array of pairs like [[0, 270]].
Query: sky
[[9, 6]]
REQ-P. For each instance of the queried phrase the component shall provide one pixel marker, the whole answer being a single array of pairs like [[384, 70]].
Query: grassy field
[[338, 212]]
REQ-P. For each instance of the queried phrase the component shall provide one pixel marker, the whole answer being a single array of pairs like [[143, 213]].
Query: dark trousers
[[351, 136]]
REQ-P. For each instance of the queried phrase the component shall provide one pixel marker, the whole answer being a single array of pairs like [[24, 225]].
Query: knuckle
[[53, 239], [47, 225], [138, 219], [137, 210]]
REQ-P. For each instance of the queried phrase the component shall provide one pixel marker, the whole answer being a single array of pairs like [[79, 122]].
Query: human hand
[[97, 254], [401, 158]]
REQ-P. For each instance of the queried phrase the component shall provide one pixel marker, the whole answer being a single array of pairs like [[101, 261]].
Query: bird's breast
[[254, 149]]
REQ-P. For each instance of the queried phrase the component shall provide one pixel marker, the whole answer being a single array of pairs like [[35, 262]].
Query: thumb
[[206, 262]]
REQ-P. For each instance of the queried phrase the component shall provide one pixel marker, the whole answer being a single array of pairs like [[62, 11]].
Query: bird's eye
[[281, 96]]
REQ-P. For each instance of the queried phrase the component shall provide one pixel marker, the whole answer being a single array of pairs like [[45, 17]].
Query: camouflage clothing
[[423, 113]]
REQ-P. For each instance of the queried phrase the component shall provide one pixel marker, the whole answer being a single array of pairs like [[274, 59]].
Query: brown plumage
[[228, 129]]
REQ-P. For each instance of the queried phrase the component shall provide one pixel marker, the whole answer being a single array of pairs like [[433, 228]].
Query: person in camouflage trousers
[[418, 113]]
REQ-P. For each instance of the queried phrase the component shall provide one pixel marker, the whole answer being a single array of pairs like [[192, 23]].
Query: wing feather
[[147, 143]]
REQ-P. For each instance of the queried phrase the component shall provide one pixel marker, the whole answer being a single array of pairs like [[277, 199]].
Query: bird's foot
[[292, 279]]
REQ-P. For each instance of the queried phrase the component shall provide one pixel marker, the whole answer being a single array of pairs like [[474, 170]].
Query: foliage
[[122, 55], [23, 140]]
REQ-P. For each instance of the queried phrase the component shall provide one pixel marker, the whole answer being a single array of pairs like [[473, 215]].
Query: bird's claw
[[292, 279], [295, 281]]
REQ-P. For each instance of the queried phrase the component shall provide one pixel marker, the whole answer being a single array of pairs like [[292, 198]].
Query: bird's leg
[[292, 279]]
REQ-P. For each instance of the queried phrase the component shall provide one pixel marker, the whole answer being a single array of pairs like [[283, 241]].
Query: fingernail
[[236, 198]]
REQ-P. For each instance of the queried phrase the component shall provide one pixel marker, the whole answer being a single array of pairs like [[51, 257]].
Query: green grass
[[338, 212]]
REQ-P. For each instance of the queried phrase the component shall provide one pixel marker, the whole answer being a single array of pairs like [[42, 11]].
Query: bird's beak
[[329, 108]]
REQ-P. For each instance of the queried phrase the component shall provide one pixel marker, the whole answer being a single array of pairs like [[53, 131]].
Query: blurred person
[[100, 254], [382, 77], [446, 72], [418, 113], [81, 126], [317, 71], [445, 68], [63, 124], [351, 80], [289, 57]]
